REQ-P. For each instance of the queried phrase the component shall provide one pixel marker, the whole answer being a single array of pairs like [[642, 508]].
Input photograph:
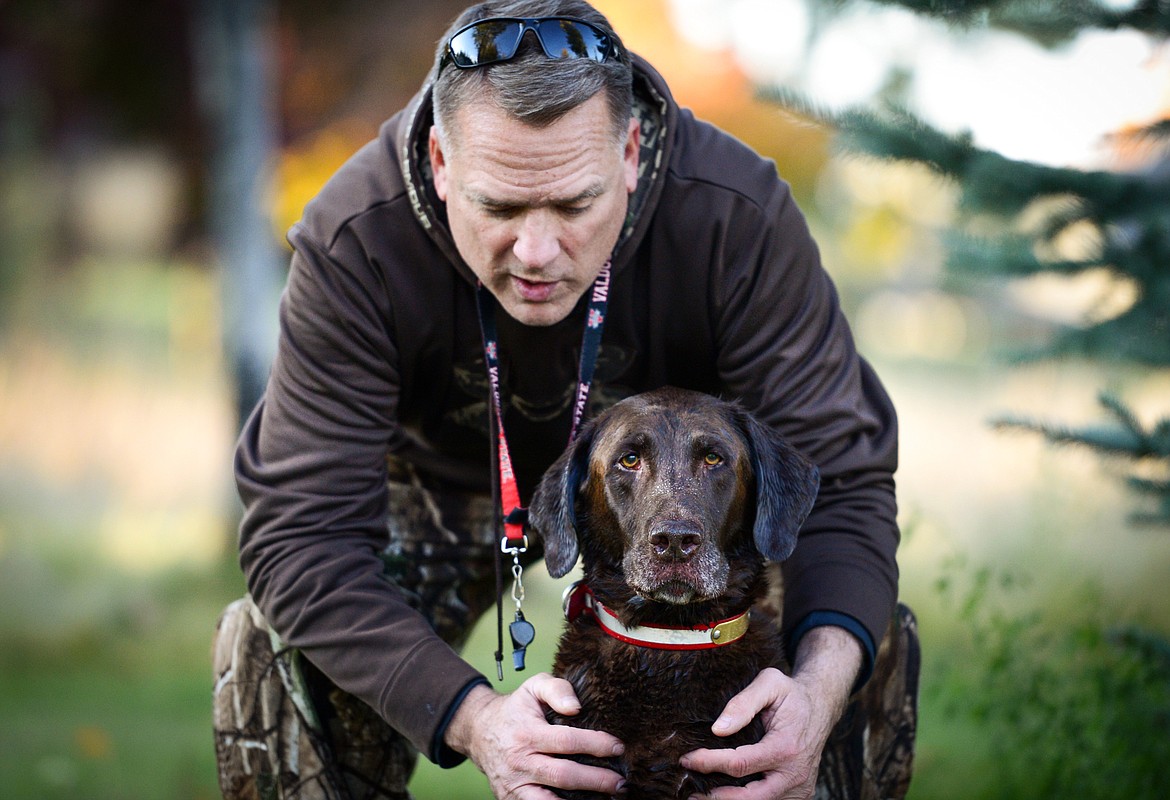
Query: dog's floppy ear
[[786, 486], [551, 515]]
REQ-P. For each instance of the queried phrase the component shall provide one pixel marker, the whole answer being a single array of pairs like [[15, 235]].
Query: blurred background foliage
[[1043, 608]]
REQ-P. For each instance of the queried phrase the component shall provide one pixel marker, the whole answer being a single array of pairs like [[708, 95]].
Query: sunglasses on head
[[490, 41]]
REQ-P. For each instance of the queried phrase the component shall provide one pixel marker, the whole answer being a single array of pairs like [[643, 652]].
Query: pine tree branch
[[1048, 22], [1123, 414], [1148, 16], [1127, 440], [799, 104], [1106, 439], [897, 135], [1124, 436], [1146, 486], [1124, 338], [1011, 255], [1154, 134], [1160, 517], [1159, 491], [992, 183]]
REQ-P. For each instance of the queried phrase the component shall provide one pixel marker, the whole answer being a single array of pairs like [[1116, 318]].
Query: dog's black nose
[[675, 541]]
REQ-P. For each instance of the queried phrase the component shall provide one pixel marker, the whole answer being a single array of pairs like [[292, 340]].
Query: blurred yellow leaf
[[303, 168], [93, 742], [878, 238]]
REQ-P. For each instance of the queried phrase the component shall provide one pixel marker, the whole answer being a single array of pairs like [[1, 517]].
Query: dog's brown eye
[[630, 461], [712, 459]]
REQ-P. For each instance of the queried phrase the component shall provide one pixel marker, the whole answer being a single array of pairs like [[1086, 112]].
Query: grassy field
[[116, 557]]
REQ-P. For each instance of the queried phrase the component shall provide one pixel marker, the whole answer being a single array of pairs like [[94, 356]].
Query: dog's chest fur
[[661, 703]]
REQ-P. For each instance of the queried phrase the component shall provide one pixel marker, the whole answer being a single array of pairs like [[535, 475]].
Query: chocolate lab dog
[[674, 500]]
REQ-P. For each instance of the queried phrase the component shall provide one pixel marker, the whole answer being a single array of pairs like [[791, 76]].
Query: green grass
[[118, 707], [124, 712], [83, 730]]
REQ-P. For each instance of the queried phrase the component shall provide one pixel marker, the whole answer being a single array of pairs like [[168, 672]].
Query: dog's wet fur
[[674, 500]]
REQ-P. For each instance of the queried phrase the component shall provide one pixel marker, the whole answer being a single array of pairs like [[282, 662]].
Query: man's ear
[[631, 153], [438, 163]]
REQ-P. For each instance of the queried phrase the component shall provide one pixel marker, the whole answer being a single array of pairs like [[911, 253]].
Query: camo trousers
[[282, 730]]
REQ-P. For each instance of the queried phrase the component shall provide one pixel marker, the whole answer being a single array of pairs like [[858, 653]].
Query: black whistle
[[522, 633]]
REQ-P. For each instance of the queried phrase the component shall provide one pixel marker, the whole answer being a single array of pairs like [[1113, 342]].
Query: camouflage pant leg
[[282, 730], [275, 738], [870, 754]]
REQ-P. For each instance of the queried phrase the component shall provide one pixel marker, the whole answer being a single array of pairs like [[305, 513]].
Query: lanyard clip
[[514, 547], [515, 541]]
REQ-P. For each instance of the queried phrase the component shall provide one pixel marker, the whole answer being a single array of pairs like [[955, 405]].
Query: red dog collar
[[578, 599]]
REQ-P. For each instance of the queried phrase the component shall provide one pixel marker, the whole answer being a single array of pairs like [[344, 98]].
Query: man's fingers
[[787, 756], [570, 775], [563, 740], [772, 787], [511, 741], [743, 708], [556, 693], [738, 762], [784, 776], [740, 710]]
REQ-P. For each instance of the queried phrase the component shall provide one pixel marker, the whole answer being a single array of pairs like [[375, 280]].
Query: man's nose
[[536, 242]]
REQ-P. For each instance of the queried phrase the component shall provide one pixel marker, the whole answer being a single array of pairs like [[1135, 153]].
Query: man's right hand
[[508, 738]]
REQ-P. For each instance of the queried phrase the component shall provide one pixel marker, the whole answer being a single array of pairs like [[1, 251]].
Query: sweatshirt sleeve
[[310, 469], [787, 352]]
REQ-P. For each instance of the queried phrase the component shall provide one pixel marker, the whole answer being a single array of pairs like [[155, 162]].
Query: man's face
[[535, 212]]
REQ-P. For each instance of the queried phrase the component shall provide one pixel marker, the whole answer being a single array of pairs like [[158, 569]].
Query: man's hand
[[510, 741], [798, 714]]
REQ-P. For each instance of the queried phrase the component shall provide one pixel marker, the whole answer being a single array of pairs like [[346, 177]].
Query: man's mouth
[[534, 291]]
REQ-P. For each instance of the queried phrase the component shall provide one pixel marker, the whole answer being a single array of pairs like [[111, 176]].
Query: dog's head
[[667, 485]]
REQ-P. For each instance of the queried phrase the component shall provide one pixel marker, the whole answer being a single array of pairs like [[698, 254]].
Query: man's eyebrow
[[494, 203], [490, 202]]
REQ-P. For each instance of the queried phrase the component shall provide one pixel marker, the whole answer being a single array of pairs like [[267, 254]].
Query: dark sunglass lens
[[562, 38], [486, 43]]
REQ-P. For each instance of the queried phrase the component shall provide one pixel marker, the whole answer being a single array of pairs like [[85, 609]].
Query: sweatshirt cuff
[[818, 619], [441, 754]]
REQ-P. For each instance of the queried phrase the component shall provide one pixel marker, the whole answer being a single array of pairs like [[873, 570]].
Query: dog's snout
[[675, 542]]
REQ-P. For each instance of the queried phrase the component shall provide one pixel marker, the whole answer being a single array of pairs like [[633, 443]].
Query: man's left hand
[[798, 713]]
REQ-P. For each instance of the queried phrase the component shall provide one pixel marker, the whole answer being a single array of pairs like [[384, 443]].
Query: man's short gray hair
[[531, 86]]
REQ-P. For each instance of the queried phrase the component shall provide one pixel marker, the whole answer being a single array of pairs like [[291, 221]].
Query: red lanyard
[[514, 513]]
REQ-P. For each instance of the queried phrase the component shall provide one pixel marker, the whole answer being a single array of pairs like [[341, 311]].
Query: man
[[539, 153]]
